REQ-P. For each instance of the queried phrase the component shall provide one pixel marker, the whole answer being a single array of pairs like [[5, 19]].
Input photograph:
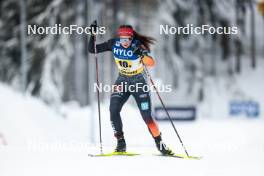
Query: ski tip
[[182, 156], [188, 157]]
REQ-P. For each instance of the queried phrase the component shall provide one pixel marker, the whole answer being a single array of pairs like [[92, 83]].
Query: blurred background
[[47, 81], [218, 75], [58, 68]]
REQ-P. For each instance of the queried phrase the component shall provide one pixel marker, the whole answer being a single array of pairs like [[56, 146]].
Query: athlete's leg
[[118, 98], [144, 104]]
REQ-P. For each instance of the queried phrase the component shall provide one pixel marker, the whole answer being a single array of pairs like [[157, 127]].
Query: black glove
[[140, 51], [93, 27]]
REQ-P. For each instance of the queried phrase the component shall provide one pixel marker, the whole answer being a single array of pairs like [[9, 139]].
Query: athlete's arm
[[146, 59], [106, 46]]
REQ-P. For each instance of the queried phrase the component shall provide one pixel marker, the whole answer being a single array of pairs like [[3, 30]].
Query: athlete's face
[[125, 41]]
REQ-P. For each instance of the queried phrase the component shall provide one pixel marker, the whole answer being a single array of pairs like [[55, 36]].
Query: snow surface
[[43, 141]]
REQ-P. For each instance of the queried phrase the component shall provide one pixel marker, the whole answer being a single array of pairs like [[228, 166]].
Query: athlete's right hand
[[93, 28]]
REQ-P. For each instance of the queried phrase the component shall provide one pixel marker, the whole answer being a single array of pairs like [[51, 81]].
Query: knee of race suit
[[114, 109]]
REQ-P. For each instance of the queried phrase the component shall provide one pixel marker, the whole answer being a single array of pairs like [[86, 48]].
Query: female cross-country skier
[[130, 49]]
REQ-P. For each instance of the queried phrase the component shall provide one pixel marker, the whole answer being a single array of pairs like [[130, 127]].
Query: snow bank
[[25, 119]]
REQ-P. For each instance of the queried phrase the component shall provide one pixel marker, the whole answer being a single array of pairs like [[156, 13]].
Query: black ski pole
[[98, 94], [164, 107]]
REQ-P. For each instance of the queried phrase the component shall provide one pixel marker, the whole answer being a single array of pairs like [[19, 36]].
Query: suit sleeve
[[102, 47]]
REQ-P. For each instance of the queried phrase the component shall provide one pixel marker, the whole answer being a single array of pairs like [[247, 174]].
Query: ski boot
[[164, 150], [121, 145]]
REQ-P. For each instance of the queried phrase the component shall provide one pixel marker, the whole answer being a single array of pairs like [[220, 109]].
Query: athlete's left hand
[[148, 61]]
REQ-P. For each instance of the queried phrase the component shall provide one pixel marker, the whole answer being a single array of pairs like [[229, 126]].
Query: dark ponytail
[[145, 40]]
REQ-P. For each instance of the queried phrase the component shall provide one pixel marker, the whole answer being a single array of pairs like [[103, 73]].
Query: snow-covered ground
[[43, 141]]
